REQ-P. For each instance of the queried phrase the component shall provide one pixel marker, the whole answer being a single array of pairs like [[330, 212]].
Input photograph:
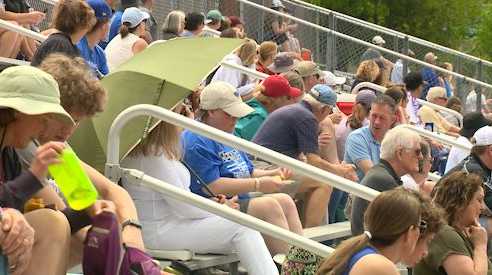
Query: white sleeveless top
[[119, 50]]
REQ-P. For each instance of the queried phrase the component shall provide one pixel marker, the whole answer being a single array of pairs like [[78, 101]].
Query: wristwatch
[[131, 222]]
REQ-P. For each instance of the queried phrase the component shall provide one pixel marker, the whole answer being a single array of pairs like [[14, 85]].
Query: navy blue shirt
[[212, 160], [290, 130], [95, 58]]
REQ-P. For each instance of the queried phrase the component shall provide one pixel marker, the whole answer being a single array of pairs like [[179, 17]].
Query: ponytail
[[124, 29], [359, 114], [337, 262]]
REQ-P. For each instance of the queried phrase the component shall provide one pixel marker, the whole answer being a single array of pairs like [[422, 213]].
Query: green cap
[[214, 15], [31, 91]]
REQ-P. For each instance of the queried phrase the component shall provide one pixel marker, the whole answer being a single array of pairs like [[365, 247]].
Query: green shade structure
[[162, 75]]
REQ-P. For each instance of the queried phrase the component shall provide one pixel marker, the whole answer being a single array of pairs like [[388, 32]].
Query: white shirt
[[412, 109], [120, 50], [409, 182], [457, 154], [154, 207], [232, 76]]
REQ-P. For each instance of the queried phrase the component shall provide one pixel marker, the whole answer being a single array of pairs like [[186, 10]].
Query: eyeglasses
[[417, 152], [422, 226]]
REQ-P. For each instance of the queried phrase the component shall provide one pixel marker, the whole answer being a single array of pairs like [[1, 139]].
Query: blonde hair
[[368, 70], [162, 140], [80, 90], [174, 22], [268, 49], [247, 52]]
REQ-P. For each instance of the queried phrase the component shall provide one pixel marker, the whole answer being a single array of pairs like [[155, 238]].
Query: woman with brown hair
[[267, 52], [128, 42], [71, 21], [395, 221], [170, 224], [460, 247], [398, 93], [247, 56]]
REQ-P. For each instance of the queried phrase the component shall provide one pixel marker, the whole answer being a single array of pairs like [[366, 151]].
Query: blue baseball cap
[[324, 94], [101, 9], [134, 16]]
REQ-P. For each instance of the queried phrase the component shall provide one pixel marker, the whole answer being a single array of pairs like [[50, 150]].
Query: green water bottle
[[74, 183]]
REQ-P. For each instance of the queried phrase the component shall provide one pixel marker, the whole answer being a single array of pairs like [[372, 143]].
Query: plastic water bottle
[[74, 183]]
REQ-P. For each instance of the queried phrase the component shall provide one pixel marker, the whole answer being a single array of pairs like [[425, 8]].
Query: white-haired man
[[400, 155]]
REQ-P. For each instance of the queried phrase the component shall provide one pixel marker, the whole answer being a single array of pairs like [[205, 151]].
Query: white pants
[[215, 235]]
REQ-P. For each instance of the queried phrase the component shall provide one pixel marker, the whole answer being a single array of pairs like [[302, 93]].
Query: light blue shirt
[[361, 145]]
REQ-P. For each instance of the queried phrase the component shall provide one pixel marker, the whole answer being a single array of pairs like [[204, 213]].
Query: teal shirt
[[247, 126]]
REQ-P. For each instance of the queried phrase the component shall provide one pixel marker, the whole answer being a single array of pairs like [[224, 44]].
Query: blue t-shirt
[[361, 145], [95, 58], [114, 29], [431, 79], [357, 256], [290, 130], [211, 160]]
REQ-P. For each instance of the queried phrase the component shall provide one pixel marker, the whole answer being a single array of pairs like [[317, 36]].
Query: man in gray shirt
[[400, 155]]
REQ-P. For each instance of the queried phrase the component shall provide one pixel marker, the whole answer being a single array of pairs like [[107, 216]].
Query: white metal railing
[[365, 43], [441, 108], [445, 139], [13, 61], [21, 30], [385, 30], [382, 89], [115, 172]]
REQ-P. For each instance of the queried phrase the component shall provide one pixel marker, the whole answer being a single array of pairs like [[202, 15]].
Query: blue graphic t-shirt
[[211, 160]]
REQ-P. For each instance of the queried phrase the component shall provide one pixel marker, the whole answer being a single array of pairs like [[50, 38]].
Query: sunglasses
[[422, 226], [417, 152]]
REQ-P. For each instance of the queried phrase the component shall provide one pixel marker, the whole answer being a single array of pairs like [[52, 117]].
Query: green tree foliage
[[447, 22], [483, 39]]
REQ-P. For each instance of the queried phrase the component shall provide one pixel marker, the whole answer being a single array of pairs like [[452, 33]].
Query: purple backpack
[[104, 253]]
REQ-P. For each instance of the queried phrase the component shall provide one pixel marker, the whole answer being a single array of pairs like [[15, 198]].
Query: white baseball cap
[[378, 40], [331, 79], [134, 16], [483, 136], [221, 95]]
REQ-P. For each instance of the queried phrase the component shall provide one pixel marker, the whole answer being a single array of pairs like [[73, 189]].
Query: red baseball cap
[[276, 86]]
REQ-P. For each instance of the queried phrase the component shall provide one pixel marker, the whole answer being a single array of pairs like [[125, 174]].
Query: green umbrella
[[162, 75]]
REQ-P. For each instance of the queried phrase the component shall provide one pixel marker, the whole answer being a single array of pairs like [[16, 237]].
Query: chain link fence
[[332, 52]]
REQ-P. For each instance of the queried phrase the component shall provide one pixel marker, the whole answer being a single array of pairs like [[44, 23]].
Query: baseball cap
[[324, 94], [276, 86], [472, 122], [307, 68], [101, 9], [332, 80], [277, 4], [214, 15], [365, 97], [221, 95], [435, 92], [134, 16], [378, 40], [282, 62], [483, 136], [31, 91]]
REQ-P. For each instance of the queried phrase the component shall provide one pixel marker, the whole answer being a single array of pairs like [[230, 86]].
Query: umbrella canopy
[[163, 74]]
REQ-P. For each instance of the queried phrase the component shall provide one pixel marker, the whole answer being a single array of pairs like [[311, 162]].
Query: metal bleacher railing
[[332, 45], [115, 172]]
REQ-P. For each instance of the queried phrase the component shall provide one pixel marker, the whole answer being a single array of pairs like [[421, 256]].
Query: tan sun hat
[[31, 91], [221, 95]]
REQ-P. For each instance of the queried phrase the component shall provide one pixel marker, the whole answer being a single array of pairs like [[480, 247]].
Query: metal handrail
[[367, 44], [441, 108], [297, 166], [173, 192], [21, 30], [445, 139], [385, 30]]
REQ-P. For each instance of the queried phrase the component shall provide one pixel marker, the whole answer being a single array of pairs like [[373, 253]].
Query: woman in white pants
[[173, 225]]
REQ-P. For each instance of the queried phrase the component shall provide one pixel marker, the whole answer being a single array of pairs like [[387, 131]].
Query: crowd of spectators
[[293, 111]]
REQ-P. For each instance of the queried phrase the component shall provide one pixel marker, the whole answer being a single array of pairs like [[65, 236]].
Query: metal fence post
[[330, 63], [396, 47], [479, 88], [406, 48], [317, 55]]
